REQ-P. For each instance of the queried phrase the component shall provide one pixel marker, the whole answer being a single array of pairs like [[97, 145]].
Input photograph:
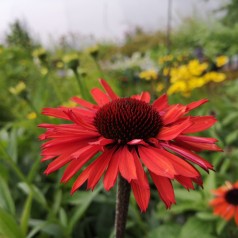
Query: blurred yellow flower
[[196, 68], [93, 51], [71, 56], [44, 71], [177, 87], [160, 87], [20, 87], [165, 59], [39, 53], [148, 74], [166, 71], [215, 76], [71, 60], [60, 64], [221, 60], [31, 116]]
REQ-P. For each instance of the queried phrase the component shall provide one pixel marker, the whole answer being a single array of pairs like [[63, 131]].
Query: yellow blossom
[[215, 77], [148, 75], [160, 87], [20, 87], [166, 71], [221, 60], [165, 59], [39, 53], [72, 60], [196, 68], [60, 64], [44, 71], [31, 116], [93, 51]]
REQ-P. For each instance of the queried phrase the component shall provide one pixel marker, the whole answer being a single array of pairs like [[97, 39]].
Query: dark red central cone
[[232, 196], [126, 119]]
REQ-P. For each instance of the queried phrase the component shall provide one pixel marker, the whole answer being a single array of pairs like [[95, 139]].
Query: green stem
[[83, 91], [99, 69], [122, 204]]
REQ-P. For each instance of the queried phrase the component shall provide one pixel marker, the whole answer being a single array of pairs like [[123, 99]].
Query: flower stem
[[122, 204]]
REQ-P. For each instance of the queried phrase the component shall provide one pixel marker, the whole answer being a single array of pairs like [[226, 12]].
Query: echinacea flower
[[126, 137], [225, 204]]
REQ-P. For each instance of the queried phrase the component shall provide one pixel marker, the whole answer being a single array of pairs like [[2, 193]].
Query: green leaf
[[185, 195], [26, 214], [209, 184], [82, 207], [6, 201], [37, 194], [63, 217], [47, 227], [233, 136], [12, 147], [206, 216], [230, 118], [196, 228], [165, 231], [220, 226], [8, 226]]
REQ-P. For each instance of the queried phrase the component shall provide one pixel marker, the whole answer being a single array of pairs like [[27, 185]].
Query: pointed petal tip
[[108, 89]]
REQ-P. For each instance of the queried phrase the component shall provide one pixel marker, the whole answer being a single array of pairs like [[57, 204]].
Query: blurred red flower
[[225, 204], [129, 135]]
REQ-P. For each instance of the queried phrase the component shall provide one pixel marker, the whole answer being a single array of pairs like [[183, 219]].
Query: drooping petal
[[140, 173], [181, 167], [81, 179], [108, 89], [195, 146], [127, 166], [98, 168], [82, 158], [189, 156], [171, 132], [197, 139], [200, 123], [58, 163], [141, 194], [112, 171], [165, 189], [185, 181], [140, 187], [155, 162]]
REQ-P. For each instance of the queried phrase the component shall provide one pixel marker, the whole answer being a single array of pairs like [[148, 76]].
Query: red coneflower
[[225, 204], [129, 135]]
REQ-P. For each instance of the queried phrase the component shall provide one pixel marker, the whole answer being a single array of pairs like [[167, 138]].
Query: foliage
[[33, 205]]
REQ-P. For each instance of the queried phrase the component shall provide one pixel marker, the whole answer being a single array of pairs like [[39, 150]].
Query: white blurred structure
[[104, 19]]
